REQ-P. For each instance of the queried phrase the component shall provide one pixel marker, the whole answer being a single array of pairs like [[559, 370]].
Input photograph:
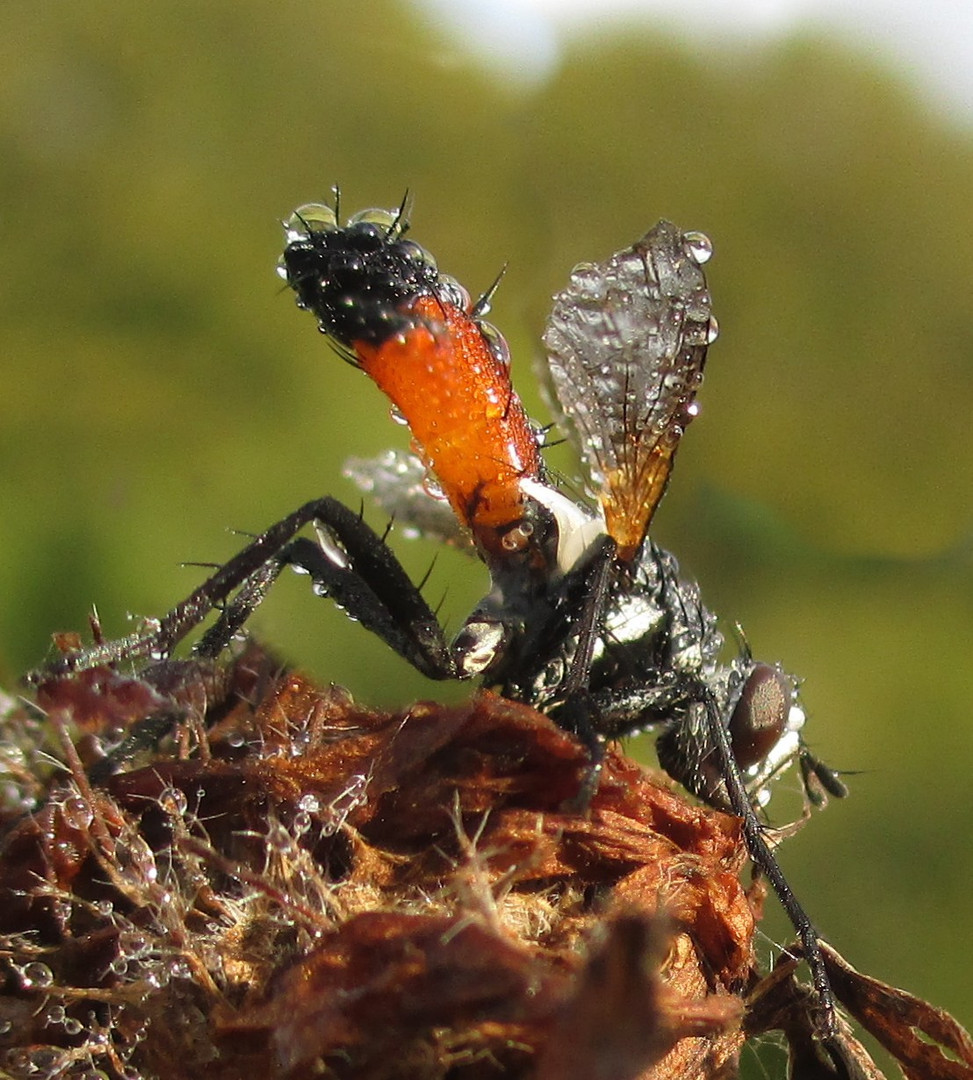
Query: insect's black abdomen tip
[[357, 279]]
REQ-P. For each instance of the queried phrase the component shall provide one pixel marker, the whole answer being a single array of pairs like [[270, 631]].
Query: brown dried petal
[[927, 1042]]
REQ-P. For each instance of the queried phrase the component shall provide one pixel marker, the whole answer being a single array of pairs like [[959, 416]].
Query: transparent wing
[[626, 344], [401, 485]]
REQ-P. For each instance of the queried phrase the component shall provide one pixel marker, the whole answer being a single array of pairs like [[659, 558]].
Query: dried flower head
[[228, 871]]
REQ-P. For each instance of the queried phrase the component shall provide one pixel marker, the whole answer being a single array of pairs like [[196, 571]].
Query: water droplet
[[496, 343], [409, 249], [46, 1060], [76, 812], [179, 969], [331, 546], [712, 330], [309, 803], [301, 823], [307, 219], [698, 247], [137, 853], [375, 215], [398, 417], [36, 976], [134, 944], [432, 487], [451, 292], [173, 801], [18, 1060], [589, 281], [73, 1026]]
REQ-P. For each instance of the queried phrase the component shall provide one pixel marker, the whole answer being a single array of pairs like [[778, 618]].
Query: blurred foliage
[[159, 389]]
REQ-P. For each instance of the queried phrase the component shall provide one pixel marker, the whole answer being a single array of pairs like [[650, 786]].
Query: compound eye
[[760, 716]]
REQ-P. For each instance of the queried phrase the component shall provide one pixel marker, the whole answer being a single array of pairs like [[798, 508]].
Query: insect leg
[[358, 571], [580, 713], [374, 590], [762, 856]]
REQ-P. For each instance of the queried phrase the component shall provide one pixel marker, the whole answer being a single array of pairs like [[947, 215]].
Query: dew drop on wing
[[698, 246], [589, 281]]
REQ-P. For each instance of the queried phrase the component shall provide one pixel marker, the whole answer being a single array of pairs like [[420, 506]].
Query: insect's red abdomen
[[469, 426]]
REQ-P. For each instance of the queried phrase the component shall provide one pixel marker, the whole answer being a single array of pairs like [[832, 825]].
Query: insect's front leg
[[597, 717]]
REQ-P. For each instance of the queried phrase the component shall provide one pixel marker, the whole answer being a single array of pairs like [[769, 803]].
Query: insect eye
[[760, 715]]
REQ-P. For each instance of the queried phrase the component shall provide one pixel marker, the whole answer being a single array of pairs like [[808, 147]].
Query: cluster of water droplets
[[98, 1050], [25, 757]]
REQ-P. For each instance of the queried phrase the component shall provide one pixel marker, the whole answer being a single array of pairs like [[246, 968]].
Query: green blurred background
[[159, 389]]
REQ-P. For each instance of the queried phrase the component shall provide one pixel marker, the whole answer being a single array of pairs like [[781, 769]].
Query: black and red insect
[[586, 617]]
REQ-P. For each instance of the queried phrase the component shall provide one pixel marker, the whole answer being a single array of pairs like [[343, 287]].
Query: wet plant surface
[[225, 869]]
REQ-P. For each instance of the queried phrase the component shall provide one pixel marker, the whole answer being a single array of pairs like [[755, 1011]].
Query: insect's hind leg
[[236, 612], [372, 588], [359, 572]]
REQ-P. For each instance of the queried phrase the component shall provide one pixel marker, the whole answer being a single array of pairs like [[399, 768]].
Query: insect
[[586, 618]]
